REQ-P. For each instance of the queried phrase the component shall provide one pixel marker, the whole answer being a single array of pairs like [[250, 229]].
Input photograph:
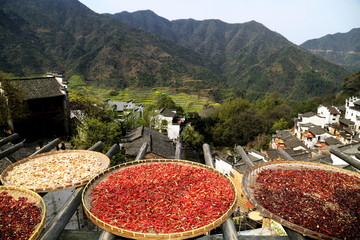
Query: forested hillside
[[341, 48], [253, 58], [64, 35]]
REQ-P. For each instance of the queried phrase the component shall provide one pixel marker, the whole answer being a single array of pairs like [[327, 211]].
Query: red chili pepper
[[171, 197], [18, 218]]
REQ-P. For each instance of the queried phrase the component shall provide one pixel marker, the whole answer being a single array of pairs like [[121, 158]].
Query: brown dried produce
[[319, 200]]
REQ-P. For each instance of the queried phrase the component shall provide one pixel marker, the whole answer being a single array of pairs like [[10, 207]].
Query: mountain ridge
[[38, 35], [66, 34], [341, 48], [242, 52]]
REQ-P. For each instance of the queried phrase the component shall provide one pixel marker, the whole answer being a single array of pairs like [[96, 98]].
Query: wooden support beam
[[178, 151], [353, 162], [245, 157], [142, 152], [8, 139], [207, 155], [11, 150], [48, 147]]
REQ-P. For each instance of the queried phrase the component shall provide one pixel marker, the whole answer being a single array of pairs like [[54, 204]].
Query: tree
[[150, 116], [237, 121], [165, 101], [192, 137], [97, 122], [309, 105], [280, 125], [352, 83]]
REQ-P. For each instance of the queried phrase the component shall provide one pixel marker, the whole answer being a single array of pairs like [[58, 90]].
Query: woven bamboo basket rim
[[86, 199], [249, 179], [102, 158], [32, 196]]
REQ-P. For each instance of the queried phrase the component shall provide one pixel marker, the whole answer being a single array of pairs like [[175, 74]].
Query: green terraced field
[[190, 103]]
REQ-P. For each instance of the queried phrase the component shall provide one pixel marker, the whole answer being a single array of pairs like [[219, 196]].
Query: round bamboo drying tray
[[86, 199], [249, 186], [32, 196], [102, 159]]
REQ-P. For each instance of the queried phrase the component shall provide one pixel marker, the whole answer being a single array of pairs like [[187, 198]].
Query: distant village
[[310, 138]]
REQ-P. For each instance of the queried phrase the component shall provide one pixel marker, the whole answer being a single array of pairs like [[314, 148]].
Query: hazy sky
[[297, 20]]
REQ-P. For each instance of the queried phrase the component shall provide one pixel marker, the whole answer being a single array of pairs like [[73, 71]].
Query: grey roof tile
[[158, 143], [35, 88]]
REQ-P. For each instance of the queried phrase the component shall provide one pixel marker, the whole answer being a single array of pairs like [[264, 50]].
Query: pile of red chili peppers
[[322, 201], [18, 218], [162, 198]]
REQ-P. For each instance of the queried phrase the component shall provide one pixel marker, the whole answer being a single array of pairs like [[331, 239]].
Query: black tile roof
[[272, 154], [347, 122], [308, 114], [333, 110], [35, 88], [316, 130], [294, 143], [167, 113], [158, 143], [332, 141], [285, 135]]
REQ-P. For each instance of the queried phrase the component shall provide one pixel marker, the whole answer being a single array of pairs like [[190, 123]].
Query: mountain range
[[142, 49], [341, 48]]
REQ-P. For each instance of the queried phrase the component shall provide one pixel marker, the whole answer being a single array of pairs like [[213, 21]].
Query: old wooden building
[[47, 102]]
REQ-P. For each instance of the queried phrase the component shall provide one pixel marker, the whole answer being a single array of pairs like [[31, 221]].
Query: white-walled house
[[331, 114], [352, 111], [224, 163], [124, 107], [315, 136], [306, 120], [326, 116], [169, 123]]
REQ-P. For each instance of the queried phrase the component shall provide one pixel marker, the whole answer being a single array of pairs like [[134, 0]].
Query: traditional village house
[[352, 111], [47, 101], [326, 117], [285, 140], [169, 123], [306, 120], [159, 145], [347, 135], [315, 137], [224, 163], [126, 108], [331, 114]]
